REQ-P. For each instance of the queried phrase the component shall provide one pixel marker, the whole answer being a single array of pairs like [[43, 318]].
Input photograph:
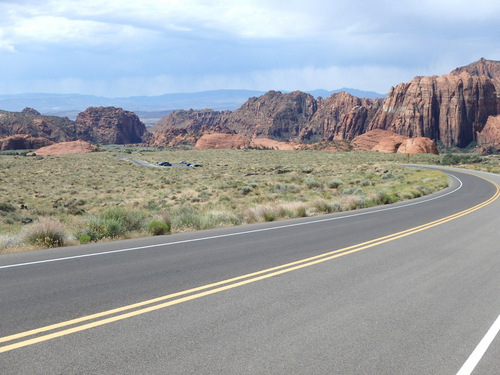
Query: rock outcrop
[[106, 125], [341, 117], [75, 147], [490, 135], [239, 141], [192, 120], [389, 142], [109, 125], [452, 108], [293, 117], [23, 142], [30, 123], [220, 140]]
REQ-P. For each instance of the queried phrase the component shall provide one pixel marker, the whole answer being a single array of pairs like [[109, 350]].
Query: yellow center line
[[220, 286]]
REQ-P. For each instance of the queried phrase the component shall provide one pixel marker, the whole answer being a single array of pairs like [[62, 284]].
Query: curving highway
[[409, 288]]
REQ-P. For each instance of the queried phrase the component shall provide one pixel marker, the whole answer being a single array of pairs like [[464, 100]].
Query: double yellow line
[[90, 321]]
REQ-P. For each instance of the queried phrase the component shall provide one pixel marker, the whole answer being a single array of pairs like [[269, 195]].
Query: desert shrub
[[301, 211], [322, 205], [311, 183], [352, 202], [84, 239], [335, 183], [269, 214], [45, 232], [245, 190], [450, 159], [186, 216], [214, 219], [357, 191], [285, 188], [8, 241], [262, 212], [386, 198], [157, 228], [130, 220], [7, 207], [166, 218], [97, 228]]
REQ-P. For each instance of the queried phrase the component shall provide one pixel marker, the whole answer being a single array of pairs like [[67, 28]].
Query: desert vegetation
[[81, 198]]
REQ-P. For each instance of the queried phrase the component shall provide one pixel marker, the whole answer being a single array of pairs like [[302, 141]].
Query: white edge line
[[481, 348], [236, 233]]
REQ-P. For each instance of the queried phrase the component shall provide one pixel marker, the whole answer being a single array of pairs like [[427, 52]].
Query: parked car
[[164, 164]]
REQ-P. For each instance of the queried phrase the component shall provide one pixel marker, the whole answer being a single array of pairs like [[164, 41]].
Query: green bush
[[98, 228], [158, 228], [130, 220], [84, 239]]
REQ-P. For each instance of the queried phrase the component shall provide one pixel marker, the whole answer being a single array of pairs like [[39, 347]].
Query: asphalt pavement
[[409, 288]]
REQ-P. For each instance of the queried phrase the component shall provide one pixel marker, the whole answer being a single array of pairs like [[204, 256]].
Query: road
[[410, 288]]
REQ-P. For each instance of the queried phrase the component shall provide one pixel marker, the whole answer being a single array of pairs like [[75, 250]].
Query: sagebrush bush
[[214, 219], [335, 183], [186, 216], [45, 232], [130, 220], [97, 228], [311, 183], [7, 207]]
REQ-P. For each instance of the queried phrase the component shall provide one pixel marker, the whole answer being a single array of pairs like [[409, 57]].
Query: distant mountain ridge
[[70, 105]]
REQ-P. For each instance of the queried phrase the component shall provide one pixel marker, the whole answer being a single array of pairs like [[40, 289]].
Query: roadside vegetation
[[82, 198]]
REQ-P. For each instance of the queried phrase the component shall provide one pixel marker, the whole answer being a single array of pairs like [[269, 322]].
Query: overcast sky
[[153, 47]]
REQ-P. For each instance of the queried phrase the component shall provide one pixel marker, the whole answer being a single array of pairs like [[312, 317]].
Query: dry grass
[[233, 187]]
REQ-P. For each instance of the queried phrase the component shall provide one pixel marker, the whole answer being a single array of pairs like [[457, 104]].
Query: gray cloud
[[152, 47]]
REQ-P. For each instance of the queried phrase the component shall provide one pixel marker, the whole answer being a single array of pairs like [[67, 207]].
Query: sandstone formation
[[23, 142], [192, 120], [98, 125], [452, 109], [274, 145], [109, 125], [219, 140], [341, 117], [30, 123], [490, 135], [419, 145], [238, 141], [31, 111], [455, 109], [62, 148], [389, 142], [294, 117]]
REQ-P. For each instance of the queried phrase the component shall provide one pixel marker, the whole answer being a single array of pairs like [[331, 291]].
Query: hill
[[452, 109]]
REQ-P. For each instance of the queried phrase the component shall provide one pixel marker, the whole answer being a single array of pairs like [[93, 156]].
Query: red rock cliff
[[452, 108], [109, 125]]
